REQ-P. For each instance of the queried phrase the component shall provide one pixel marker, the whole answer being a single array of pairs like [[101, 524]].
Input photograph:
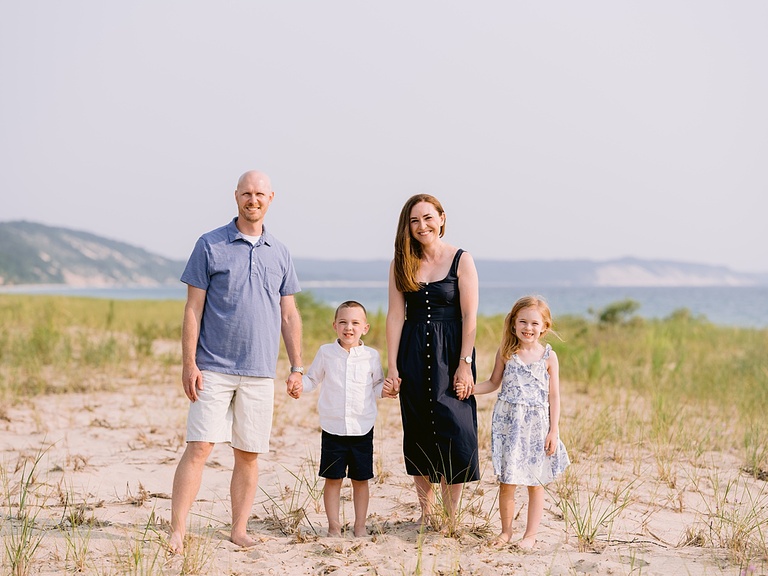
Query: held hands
[[391, 388], [463, 383], [294, 385]]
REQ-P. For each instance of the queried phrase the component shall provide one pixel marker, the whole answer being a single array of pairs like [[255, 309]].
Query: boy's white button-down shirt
[[350, 382]]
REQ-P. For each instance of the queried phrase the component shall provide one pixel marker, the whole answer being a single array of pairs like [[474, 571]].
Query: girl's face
[[529, 325], [426, 222]]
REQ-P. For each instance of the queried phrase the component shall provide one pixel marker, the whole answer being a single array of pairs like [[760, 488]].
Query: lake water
[[723, 305]]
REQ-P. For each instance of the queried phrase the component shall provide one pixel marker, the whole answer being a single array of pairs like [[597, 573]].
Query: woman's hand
[[463, 382]]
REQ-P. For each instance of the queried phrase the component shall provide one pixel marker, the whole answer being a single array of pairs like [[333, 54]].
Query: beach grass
[[658, 402]]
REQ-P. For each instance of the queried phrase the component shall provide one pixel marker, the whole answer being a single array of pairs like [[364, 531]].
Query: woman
[[431, 325]]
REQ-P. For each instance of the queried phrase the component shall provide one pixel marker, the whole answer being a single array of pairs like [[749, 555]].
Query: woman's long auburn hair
[[510, 343], [408, 252]]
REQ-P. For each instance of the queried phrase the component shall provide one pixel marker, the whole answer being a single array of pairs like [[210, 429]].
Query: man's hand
[[294, 385], [192, 380]]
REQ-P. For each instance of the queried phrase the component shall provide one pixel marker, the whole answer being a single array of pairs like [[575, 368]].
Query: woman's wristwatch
[[467, 359]]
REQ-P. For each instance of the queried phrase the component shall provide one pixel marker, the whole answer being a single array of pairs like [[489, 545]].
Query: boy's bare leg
[[535, 511], [360, 496], [186, 485], [506, 511], [331, 497], [242, 491]]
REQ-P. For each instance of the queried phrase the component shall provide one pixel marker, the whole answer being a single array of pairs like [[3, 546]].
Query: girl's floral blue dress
[[520, 425]]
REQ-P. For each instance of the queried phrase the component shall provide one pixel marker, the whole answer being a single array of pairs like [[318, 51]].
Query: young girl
[[525, 445]]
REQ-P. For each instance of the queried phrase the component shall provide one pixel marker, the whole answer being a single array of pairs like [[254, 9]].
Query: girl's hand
[[463, 382], [550, 443]]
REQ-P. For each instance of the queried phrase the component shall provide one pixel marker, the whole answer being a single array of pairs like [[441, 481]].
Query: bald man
[[240, 296]]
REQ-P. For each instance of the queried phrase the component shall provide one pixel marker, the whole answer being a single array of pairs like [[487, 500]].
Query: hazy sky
[[549, 130]]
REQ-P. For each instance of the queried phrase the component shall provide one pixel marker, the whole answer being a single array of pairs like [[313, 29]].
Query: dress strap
[[455, 265]]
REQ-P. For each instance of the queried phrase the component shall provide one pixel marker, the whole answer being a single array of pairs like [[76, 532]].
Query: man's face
[[253, 196]]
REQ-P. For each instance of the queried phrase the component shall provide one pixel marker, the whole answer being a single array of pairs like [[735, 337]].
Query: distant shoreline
[[740, 306]]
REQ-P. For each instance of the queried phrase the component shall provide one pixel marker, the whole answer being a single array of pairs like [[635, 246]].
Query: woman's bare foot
[[429, 522], [361, 532], [243, 540], [527, 543], [176, 543], [334, 533]]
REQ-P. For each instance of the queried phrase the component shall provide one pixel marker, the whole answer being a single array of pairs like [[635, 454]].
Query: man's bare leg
[[186, 485], [242, 491]]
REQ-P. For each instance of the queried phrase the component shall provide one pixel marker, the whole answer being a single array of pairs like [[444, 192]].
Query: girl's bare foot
[[501, 540], [527, 543]]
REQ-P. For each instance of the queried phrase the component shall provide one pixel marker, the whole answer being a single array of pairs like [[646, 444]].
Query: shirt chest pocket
[[272, 280], [360, 374]]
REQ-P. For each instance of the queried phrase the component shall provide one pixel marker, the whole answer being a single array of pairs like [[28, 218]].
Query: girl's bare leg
[[506, 511], [535, 511]]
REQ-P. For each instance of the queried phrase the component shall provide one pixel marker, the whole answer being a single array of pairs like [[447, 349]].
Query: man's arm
[[191, 377], [291, 328]]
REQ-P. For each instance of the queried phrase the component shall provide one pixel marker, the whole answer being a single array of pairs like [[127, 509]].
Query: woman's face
[[425, 222]]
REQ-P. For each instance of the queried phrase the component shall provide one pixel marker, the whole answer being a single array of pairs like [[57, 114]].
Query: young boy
[[352, 379]]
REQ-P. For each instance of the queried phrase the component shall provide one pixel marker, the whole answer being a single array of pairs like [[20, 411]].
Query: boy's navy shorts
[[341, 453]]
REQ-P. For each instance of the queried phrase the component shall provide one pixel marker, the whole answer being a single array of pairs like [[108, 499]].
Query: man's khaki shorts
[[234, 409]]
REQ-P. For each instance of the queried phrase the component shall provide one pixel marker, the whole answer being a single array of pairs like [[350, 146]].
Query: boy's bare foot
[[176, 543], [527, 543], [243, 540]]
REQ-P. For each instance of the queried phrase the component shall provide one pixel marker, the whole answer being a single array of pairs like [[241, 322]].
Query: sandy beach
[[102, 465]]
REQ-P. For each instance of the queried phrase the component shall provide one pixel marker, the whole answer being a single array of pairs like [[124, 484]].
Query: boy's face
[[350, 326]]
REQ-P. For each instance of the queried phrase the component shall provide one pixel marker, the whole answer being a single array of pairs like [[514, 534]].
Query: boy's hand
[[294, 385], [391, 387]]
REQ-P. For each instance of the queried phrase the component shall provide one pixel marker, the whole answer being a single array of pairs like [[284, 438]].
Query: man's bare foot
[[243, 540], [176, 543], [527, 543]]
